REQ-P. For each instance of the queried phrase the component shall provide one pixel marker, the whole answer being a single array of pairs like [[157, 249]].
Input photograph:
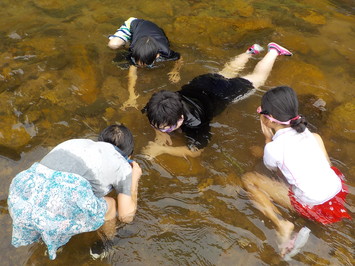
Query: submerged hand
[[174, 76], [153, 150], [131, 102], [162, 138]]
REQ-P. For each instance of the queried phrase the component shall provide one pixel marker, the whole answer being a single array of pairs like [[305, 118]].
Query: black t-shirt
[[205, 97], [143, 28]]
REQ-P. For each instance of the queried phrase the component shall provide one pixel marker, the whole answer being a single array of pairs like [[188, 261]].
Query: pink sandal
[[255, 49], [281, 50]]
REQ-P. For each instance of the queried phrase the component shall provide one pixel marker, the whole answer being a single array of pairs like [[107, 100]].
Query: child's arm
[[122, 35], [127, 205], [132, 97], [154, 149], [321, 145], [115, 42]]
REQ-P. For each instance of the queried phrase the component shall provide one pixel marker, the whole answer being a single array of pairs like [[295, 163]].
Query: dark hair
[[164, 108], [282, 103], [120, 136], [145, 50]]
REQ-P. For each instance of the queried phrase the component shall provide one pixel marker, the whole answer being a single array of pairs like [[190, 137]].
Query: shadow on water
[[58, 80]]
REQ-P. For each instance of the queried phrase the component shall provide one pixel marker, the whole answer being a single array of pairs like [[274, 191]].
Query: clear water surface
[[57, 81]]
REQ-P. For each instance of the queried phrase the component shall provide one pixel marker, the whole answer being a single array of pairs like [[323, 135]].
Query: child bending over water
[[193, 107], [65, 194], [313, 187], [148, 45]]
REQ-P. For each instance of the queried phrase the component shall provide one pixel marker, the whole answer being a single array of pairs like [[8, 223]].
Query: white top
[[304, 165], [96, 161]]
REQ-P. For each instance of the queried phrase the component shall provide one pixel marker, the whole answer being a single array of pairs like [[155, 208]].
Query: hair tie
[[295, 118]]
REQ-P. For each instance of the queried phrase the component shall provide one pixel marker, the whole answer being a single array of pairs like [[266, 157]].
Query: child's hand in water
[[174, 76], [266, 131], [131, 102], [162, 138], [153, 150]]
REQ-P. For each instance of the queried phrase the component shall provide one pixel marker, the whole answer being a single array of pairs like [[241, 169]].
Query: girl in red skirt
[[313, 188]]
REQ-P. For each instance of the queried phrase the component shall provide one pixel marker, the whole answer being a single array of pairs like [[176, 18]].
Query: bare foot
[[284, 235]]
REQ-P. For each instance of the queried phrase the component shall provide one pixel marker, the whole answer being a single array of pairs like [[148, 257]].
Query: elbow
[[113, 46], [115, 43]]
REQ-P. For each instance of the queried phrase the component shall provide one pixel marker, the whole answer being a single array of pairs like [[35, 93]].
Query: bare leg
[[132, 97], [232, 68], [174, 74], [263, 191], [262, 69], [111, 208], [108, 229]]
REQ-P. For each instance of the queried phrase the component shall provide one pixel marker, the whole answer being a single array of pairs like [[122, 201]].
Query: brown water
[[57, 82]]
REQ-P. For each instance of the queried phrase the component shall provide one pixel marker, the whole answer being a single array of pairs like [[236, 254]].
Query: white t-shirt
[[304, 165], [97, 161]]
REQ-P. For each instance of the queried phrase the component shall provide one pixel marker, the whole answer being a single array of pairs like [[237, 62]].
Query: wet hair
[[282, 103], [145, 50], [120, 136], [164, 108]]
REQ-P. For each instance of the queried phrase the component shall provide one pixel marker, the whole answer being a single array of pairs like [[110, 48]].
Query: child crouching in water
[[148, 45], [314, 188]]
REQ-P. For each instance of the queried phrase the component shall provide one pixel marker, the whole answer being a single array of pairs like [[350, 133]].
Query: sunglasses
[[267, 115], [169, 129]]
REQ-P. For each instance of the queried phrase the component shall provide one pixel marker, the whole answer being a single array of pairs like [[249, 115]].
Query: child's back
[[303, 163]]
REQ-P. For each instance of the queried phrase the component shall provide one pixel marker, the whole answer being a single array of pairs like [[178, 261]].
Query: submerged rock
[[341, 120], [189, 29], [113, 89], [240, 7], [52, 4], [305, 78], [83, 75], [312, 17], [43, 46], [13, 133]]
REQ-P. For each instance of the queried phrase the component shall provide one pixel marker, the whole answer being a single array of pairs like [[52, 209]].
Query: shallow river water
[[58, 81]]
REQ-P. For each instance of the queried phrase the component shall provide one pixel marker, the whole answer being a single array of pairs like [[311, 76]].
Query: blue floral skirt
[[52, 205]]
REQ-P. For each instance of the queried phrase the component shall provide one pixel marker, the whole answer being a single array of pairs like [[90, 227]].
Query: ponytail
[[299, 124]]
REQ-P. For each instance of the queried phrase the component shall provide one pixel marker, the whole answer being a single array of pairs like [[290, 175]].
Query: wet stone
[[342, 122], [305, 78], [149, 8], [56, 8], [191, 30], [13, 133], [312, 17], [233, 8], [83, 75], [15, 36], [113, 89]]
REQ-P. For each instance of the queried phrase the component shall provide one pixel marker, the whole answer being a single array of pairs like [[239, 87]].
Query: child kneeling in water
[[315, 189]]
